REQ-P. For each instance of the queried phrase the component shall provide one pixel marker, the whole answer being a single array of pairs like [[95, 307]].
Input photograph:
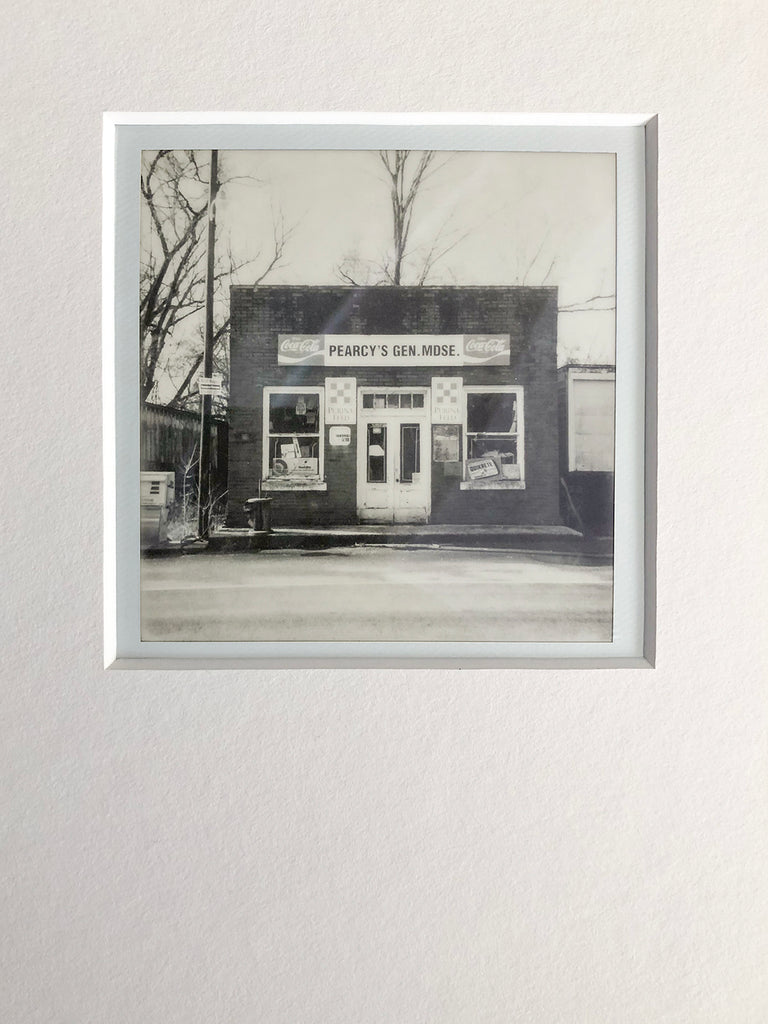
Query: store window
[[293, 437], [493, 427]]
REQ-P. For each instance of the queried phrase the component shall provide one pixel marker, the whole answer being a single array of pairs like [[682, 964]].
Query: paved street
[[374, 593]]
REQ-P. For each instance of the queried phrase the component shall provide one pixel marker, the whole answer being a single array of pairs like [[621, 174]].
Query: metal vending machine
[[157, 494]]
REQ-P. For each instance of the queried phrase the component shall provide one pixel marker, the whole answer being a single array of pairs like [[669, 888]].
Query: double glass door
[[393, 465]]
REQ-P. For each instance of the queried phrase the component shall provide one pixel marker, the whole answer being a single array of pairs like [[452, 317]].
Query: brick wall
[[528, 315]]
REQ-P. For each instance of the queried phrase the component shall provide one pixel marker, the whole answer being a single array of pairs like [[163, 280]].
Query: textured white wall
[[394, 847]]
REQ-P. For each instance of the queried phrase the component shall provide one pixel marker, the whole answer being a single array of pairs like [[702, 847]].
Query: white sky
[[516, 218], [511, 214]]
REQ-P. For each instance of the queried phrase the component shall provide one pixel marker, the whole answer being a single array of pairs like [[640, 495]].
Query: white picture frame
[[633, 141]]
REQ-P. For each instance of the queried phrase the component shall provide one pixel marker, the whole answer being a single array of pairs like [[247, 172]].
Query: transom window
[[394, 400]]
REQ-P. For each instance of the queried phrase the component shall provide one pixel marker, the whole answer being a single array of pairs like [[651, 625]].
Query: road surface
[[374, 593]]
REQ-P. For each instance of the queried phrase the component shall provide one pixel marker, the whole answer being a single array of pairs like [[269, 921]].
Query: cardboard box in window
[[295, 467], [306, 467], [291, 450], [493, 465], [484, 468], [510, 470]]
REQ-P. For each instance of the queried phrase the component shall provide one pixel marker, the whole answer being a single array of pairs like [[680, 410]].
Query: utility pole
[[206, 400]]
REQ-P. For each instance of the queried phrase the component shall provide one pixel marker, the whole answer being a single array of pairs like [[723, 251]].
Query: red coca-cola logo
[[486, 346], [299, 345]]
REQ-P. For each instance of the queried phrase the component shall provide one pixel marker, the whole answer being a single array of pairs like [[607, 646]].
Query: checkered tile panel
[[340, 399], [446, 399]]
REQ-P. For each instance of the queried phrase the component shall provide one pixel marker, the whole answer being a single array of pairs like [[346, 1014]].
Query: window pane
[[377, 453], [409, 451], [294, 455], [405, 400], [506, 447], [379, 401], [367, 401], [418, 401], [491, 412], [393, 401], [295, 412]]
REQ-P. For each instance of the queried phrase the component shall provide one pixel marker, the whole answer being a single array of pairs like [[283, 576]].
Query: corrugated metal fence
[[170, 441]]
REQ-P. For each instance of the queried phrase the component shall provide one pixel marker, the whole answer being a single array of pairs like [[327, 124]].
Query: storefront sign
[[447, 403], [339, 437], [340, 400], [393, 349]]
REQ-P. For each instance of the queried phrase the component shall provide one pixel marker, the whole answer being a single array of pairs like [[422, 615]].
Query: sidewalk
[[557, 540]]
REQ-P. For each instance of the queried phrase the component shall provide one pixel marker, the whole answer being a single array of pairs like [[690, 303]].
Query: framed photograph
[[380, 390]]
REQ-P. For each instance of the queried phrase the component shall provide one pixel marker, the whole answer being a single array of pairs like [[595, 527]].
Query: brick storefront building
[[394, 404]]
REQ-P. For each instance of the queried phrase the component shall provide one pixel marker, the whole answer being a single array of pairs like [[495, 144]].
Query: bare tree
[[405, 182], [406, 172], [174, 193]]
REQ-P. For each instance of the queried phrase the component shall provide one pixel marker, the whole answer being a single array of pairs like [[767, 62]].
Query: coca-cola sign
[[300, 348], [393, 349], [484, 346]]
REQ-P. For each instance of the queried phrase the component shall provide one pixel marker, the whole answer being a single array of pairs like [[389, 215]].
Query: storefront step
[[234, 539], [523, 537], [554, 540]]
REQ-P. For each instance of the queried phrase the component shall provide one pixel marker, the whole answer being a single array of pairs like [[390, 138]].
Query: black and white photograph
[[377, 395]]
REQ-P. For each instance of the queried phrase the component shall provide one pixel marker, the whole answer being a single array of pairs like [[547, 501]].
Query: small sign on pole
[[211, 385]]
